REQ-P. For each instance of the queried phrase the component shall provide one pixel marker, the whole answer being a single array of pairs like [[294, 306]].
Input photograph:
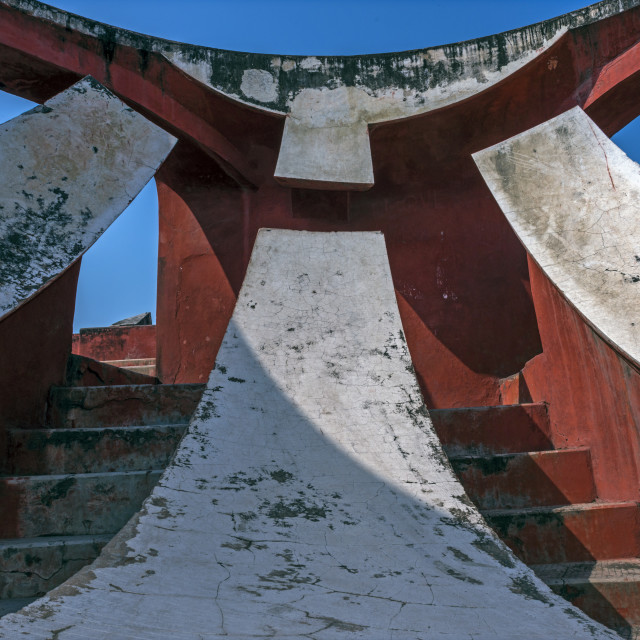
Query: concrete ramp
[[68, 169], [310, 497], [573, 198]]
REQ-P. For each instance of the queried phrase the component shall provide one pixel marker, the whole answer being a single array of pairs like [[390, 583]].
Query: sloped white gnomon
[[310, 497]]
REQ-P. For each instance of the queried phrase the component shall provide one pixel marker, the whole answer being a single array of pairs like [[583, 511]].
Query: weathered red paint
[[493, 430], [593, 393], [570, 534], [608, 600], [116, 343], [118, 406], [35, 341], [534, 479]]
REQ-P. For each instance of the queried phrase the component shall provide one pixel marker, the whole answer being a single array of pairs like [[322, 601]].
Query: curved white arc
[[573, 198], [67, 170]]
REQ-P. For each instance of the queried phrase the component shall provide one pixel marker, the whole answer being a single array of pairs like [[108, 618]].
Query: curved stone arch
[[241, 75], [69, 168], [332, 100], [571, 195]]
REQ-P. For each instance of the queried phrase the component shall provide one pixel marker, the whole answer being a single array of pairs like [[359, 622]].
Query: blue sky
[[118, 276]]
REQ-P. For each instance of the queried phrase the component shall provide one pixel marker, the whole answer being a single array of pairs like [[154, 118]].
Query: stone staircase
[[68, 487], [146, 366], [542, 502]]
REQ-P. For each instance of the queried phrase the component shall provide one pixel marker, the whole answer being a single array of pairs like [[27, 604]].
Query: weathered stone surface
[[77, 504], [572, 197], [310, 496], [90, 450], [87, 372], [527, 479], [30, 567], [353, 92], [325, 157], [493, 430], [610, 590], [126, 405], [403, 83], [572, 533], [68, 168]]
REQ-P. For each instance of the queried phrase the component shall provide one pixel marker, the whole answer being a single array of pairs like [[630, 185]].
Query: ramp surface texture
[[68, 169], [572, 197], [310, 497]]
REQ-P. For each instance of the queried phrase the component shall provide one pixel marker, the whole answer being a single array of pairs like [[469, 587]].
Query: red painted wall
[[35, 341], [593, 393], [195, 297], [116, 343]]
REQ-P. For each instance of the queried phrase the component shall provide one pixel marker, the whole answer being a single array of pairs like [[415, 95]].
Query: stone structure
[[310, 485]]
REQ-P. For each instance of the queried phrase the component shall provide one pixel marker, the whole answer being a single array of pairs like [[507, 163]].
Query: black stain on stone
[[525, 586], [41, 109], [281, 476], [296, 509], [460, 555], [57, 491], [495, 550], [450, 571], [488, 466]]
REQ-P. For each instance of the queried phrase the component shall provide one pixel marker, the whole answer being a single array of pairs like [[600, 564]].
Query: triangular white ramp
[[310, 497], [68, 168]]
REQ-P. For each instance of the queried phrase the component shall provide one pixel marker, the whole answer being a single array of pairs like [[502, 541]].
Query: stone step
[[29, 567], [519, 480], [86, 372], [125, 405], [574, 533], [491, 430], [80, 504], [147, 370], [608, 591], [12, 605], [131, 362], [80, 450], [146, 366]]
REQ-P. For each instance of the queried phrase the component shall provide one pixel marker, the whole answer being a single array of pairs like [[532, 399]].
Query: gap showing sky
[[119, 273]]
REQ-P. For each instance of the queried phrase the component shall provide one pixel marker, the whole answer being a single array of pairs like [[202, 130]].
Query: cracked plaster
[[69, 168], [572, 197]]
